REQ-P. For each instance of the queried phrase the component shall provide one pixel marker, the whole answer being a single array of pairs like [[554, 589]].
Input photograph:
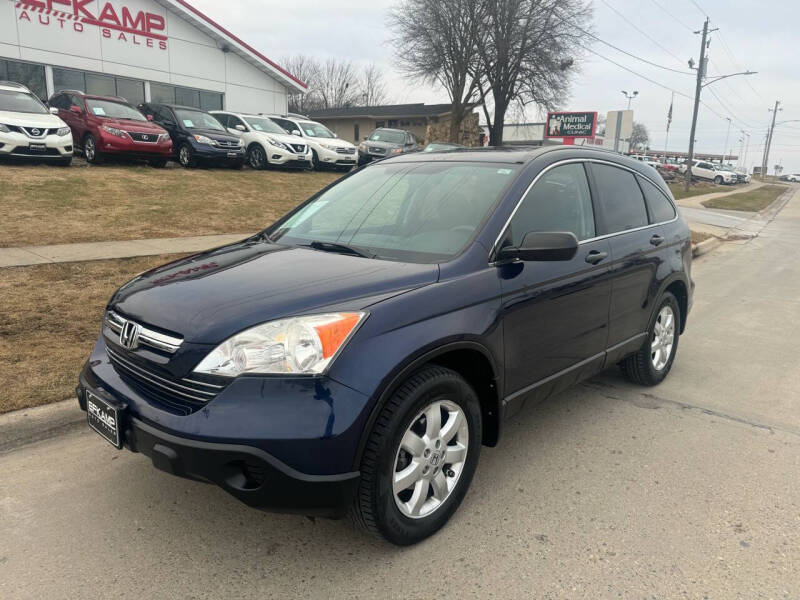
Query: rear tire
[[315, 165], [436, 485], [647, 366], [91, 153]]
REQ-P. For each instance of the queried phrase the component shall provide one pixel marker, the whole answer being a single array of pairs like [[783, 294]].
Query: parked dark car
[[358, 352], [104, 126], [385, 142], [197, 136]]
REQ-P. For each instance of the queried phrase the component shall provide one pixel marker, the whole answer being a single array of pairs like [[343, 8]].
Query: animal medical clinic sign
[[115, 21], [571, 125]]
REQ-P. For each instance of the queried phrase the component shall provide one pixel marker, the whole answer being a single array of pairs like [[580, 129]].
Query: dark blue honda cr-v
[[355, 355]]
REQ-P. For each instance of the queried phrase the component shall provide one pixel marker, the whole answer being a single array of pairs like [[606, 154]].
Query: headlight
[[305, 345], [201, 139], [397, 151], [4, 128], [329, 147], [277, 144], [163, 137], [114, 131], [63, 131], [240, 142]]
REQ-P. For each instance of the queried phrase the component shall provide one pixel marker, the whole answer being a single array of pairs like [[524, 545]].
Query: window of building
[[211, 101], [31, 76], [131, 90], [620, 197], [187, 97], [170, 94], [98, 84]]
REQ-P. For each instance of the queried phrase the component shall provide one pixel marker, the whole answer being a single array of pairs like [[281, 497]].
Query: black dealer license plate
[[38, 147], [103, 418], [233, 154]]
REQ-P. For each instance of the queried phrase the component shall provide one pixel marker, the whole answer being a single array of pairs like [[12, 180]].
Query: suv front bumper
[[21, 146]]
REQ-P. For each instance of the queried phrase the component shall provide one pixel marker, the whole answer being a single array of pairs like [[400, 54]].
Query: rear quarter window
[[620, 197], [658, 205]]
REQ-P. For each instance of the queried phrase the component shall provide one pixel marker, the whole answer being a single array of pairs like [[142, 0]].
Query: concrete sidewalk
[[38, 255]]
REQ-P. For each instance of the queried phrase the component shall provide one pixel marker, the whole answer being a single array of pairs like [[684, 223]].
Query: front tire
[[315, 164], [186, 156], [90, 151], [257, 157], [652, 363], [718, 180], [420, 457]]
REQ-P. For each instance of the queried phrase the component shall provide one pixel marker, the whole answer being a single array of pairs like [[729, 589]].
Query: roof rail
[[297, 116]]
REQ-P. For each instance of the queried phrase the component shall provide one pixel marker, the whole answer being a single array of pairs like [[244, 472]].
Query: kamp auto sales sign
[[115, 21], [571, 125]]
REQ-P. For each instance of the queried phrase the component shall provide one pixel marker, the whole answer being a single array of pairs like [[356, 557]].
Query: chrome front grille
[[145, 336], [299, 148], [227, 144], [150, 138], [345, 150], [184, 391]]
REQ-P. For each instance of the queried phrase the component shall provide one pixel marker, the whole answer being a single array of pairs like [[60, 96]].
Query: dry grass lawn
[[750, 201], [698, 188], [49, 320], [46, 205]]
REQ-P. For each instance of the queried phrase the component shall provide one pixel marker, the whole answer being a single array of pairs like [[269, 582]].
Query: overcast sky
[[751, 36]]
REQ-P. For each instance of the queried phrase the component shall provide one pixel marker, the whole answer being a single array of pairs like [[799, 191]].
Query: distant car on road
[[441, 147], [266, 143], [197, 136], [28, 130], [385, 142], [106, 126], [357, 354], [794, 177]]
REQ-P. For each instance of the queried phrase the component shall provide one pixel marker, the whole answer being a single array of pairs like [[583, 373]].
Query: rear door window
[[658, 205], [620, 197], [223, 118]]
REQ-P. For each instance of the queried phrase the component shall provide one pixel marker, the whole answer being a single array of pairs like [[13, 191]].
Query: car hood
[[208, 297], [135, 126], [339, 142], [387, 145], [282, 137], [215, 134], [20, 119]]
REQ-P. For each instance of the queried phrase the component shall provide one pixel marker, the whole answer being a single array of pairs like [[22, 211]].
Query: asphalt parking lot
[[608, 490]]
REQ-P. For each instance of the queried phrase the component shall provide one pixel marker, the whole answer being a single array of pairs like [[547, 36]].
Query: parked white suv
[[267, 144], [705, 170], [327, 149], [29, 130]]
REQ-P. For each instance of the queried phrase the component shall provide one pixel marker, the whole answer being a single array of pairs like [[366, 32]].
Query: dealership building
[[142, 50]]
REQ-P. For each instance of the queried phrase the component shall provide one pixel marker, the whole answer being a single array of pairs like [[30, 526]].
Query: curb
[[29, 425], [705, 246]]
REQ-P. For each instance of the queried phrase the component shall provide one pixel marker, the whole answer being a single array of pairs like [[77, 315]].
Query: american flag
[[669, 114]]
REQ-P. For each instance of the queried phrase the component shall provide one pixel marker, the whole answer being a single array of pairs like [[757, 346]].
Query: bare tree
[[371, 86], [639, 137], [527, 52], [306, 69], [337, 83], [437, 41]]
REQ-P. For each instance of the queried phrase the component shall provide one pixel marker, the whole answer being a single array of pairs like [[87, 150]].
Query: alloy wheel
[[184, 156], [257, 158], [430, 459], [663, 338], [89, 149]]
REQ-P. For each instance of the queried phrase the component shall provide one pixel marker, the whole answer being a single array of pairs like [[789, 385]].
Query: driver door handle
[[595, 257], [656, 240]]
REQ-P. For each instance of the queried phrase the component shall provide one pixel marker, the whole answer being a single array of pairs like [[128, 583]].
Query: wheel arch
[[678, 288], [470, 359]]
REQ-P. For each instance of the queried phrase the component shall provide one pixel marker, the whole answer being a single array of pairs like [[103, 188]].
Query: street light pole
[[765, 161], [701, 67], [630, 97], [727, 135]]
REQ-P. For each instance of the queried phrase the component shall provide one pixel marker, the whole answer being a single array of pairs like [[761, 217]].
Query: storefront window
[[187, 97], [160, 92], [66, 79], [31, 76], [132, 91], [99, 85], [210, 101]]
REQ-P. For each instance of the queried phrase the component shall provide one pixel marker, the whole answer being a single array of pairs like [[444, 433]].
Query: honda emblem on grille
[[129, 335]]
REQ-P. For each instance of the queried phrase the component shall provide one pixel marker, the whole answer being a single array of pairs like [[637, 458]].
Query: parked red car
[[105, 125]]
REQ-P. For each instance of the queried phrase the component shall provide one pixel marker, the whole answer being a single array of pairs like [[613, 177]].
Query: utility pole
[[746, 146], [701, 68], [765, 160], [727, 135]]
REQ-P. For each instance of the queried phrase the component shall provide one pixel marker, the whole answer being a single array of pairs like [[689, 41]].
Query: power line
[[645, 34], [736, 64], [727, 109], [613, 62], [674, 18], [639, 58]]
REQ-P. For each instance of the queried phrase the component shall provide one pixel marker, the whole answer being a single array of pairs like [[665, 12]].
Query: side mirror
[[76, 109], [297, 132], [149, 117], [543, 246], [53, 110], [240, 127]]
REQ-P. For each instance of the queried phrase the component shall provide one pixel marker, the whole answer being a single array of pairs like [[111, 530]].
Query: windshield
[[264, 125], [316, 130], [412, 212], [393, 137], [113, 110], [195, 119], [21, 102]]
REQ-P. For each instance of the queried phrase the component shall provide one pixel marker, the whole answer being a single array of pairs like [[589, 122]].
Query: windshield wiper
[[337, 247]]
